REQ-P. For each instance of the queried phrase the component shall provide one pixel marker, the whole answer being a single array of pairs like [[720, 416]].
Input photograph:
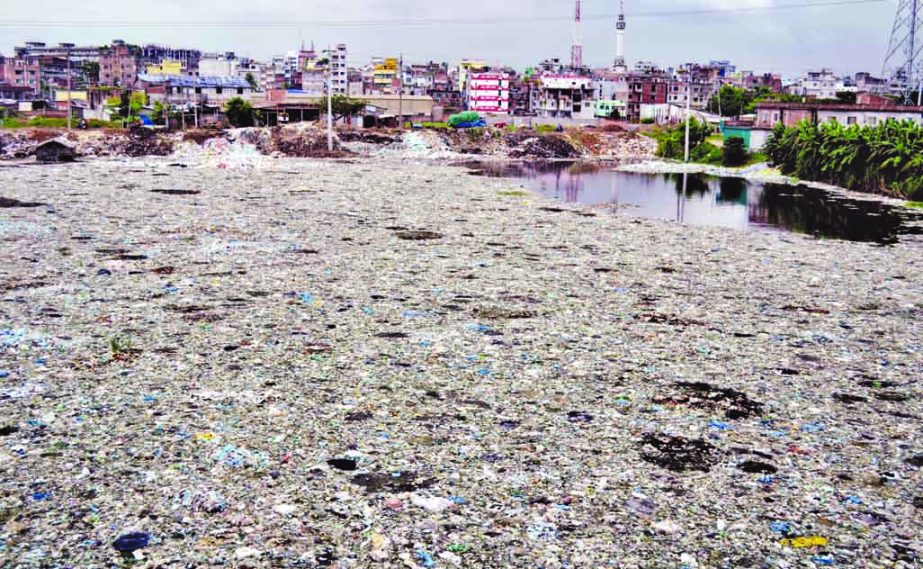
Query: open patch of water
[[698, 199]]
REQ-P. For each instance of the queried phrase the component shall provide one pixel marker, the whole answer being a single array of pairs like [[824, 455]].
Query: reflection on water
[[709, 200]]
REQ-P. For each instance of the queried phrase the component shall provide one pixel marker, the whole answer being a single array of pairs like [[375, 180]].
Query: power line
[[419, 21]]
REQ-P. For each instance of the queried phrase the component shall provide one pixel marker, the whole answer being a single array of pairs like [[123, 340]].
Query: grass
[[52, 122], [545, 128], [513, 193], [914, 205], [120, 346]]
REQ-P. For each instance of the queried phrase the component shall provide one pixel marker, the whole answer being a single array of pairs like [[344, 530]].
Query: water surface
[[698, 199]]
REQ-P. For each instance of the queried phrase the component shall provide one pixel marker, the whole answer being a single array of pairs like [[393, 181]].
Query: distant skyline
[[847, 38]]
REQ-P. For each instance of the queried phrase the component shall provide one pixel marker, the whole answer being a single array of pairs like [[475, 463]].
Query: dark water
[[708, 200]]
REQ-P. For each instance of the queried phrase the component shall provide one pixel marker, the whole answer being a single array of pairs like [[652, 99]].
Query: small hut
[[56, 150]]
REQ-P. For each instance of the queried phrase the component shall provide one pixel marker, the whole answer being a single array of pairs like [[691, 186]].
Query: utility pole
[[68, 89], [329, 103], [688, 109], [400, 91]]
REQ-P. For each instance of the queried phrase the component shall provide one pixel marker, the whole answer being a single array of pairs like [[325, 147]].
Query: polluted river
[[370, 363]]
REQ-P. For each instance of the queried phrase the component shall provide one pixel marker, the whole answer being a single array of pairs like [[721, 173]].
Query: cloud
[[787, 41]]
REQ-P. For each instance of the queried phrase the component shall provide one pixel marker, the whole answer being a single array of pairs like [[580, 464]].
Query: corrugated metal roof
[[187, 81]]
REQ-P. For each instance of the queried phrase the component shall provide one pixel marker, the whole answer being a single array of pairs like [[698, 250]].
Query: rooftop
[[838, 107], [188, 81]]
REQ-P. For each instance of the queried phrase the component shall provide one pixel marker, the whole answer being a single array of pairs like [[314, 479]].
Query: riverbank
[[303, 140], [364, 363]]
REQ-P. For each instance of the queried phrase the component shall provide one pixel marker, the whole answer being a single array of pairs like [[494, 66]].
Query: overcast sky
[[848, 38]]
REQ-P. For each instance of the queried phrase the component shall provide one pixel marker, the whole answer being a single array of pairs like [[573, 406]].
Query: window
[[850, 120], [240, 90], [873, 121], [198, 90], [218, 90]]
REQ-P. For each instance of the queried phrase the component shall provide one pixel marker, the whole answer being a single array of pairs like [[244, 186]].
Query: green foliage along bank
[[886, 158]]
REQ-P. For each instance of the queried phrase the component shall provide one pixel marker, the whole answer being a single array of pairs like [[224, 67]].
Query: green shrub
[[647, 121], [475, 134], [735, 152], [545, 128], [238, 112], [436, 125], [706, 153], [671, 141]]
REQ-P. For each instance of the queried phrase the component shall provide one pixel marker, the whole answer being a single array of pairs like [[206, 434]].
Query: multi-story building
[[488, 92], [466, 67], [339, 70], [521, 88], [156, 54], [770, 81], [165, 67], [821, 84], [315, 70], [77, 54], [218, 64], [118, 65], [645, 89], [563, 96], [610, 89], [868, 82], [383, 75], [21, 72], [678, 91]]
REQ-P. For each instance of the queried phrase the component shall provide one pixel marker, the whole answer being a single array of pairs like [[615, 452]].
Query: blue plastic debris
[[40, 496], [780, 527], [812, 427], [4, 374], [131, 542], [426, 559], [824, 560], [475, 327], [719, 425]]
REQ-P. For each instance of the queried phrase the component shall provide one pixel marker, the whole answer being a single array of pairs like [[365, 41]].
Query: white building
[[564, 96], [488, 93], [314, 73], [821, 84], [218, 65]]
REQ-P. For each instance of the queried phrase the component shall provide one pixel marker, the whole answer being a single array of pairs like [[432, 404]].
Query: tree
[[846, 97], [735, 154], [131, 103], [238, 112], [252, 81], [158, 112], [730, 101], [344, 106], [671, 142]]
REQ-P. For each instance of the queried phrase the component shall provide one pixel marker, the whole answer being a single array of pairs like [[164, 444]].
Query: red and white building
[[488, 93]]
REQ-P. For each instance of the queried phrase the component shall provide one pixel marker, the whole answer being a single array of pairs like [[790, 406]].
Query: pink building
[[19, 72], [118, 66], [488, 93], [770, 113]]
